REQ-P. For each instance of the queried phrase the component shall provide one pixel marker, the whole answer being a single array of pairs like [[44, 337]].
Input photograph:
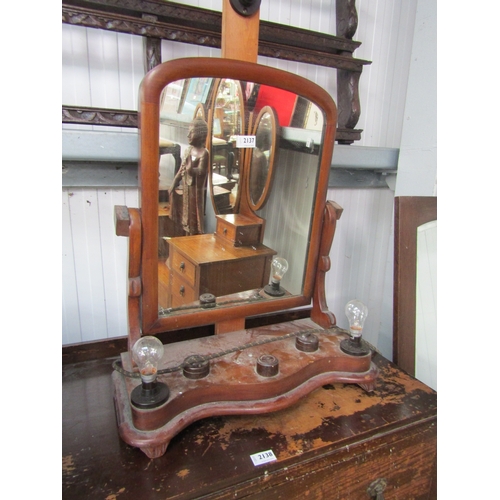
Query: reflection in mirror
[[180, 102], [190, 181], [227, 124], [263, 155], [261, 139]]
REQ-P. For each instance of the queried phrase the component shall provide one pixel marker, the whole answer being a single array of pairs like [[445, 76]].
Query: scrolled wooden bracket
[[128, 223], [320, 313], [347, 80]]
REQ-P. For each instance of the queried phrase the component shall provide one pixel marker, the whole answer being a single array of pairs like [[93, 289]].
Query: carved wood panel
[[158, 21]]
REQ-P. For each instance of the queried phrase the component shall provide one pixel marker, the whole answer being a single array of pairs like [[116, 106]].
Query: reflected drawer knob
[[376, 489], [182, 266], [182, 290]]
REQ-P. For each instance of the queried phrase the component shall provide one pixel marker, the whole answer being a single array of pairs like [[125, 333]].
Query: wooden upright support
[[240, 34]]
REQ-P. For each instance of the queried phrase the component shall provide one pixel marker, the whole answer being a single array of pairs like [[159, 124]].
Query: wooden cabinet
[[335, 444], [207, 264]]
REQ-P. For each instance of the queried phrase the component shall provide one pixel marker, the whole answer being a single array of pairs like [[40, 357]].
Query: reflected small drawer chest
[[207, 264]]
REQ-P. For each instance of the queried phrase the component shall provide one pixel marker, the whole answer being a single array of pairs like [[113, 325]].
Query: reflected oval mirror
[[262, 157], [227, 123], [229, 260]]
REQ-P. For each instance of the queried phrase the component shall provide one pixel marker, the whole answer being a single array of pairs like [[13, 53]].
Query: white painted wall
[[104, 69], [417, 167]]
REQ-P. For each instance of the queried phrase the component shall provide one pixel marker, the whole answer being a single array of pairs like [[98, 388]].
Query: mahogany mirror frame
[[149, 121]]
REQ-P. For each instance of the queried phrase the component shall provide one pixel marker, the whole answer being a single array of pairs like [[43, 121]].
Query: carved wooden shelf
[[158, 21]]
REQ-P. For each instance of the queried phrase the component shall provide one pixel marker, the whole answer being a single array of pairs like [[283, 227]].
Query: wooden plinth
[[233, 385]]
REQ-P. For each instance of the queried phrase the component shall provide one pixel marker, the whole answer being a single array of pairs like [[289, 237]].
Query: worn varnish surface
[[332, 444]]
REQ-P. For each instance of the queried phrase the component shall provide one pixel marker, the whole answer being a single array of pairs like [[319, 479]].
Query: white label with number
[[263, 457], [245, 141]]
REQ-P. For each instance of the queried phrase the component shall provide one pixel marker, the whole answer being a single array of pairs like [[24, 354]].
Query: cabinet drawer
[[238, 230], [181, 291], [402, 463], [183, 267]]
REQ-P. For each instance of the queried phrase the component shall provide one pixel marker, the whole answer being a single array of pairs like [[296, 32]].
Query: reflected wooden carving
[[192, 180]]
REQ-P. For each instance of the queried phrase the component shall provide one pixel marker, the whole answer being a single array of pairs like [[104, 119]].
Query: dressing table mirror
[[233, 223]]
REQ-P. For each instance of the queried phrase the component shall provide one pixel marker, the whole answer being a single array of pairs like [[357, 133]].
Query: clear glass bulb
[[279, 267], [356, 313], [147, 353]]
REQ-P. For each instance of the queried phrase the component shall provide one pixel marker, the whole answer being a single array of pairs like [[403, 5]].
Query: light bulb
[[356, 313], [147, 354], [279, 266]]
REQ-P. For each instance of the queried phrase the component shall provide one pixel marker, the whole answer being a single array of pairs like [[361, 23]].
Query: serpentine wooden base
[[233, 385]]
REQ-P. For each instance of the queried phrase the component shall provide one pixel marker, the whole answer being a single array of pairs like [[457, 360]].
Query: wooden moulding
[[233, 385]]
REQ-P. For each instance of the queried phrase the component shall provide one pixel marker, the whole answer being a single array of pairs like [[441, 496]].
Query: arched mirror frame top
[[149, 122], [257, 202]]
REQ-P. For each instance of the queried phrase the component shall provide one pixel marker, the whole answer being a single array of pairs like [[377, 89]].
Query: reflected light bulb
[[356, 313], [147, 354], [279, 267]]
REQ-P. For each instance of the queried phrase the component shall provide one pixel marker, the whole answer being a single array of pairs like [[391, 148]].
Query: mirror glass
[[220, 139], [211, 222]]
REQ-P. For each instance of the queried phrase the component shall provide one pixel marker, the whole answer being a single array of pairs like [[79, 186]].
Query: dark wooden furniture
[[336, 443], [197, 263], [410, 212]]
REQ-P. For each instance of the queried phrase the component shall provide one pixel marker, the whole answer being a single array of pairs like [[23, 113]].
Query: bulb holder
[[207, 300], [354, 346], [150, 395], [274, 289], [307, 342], [267, 365], [196, 367]]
